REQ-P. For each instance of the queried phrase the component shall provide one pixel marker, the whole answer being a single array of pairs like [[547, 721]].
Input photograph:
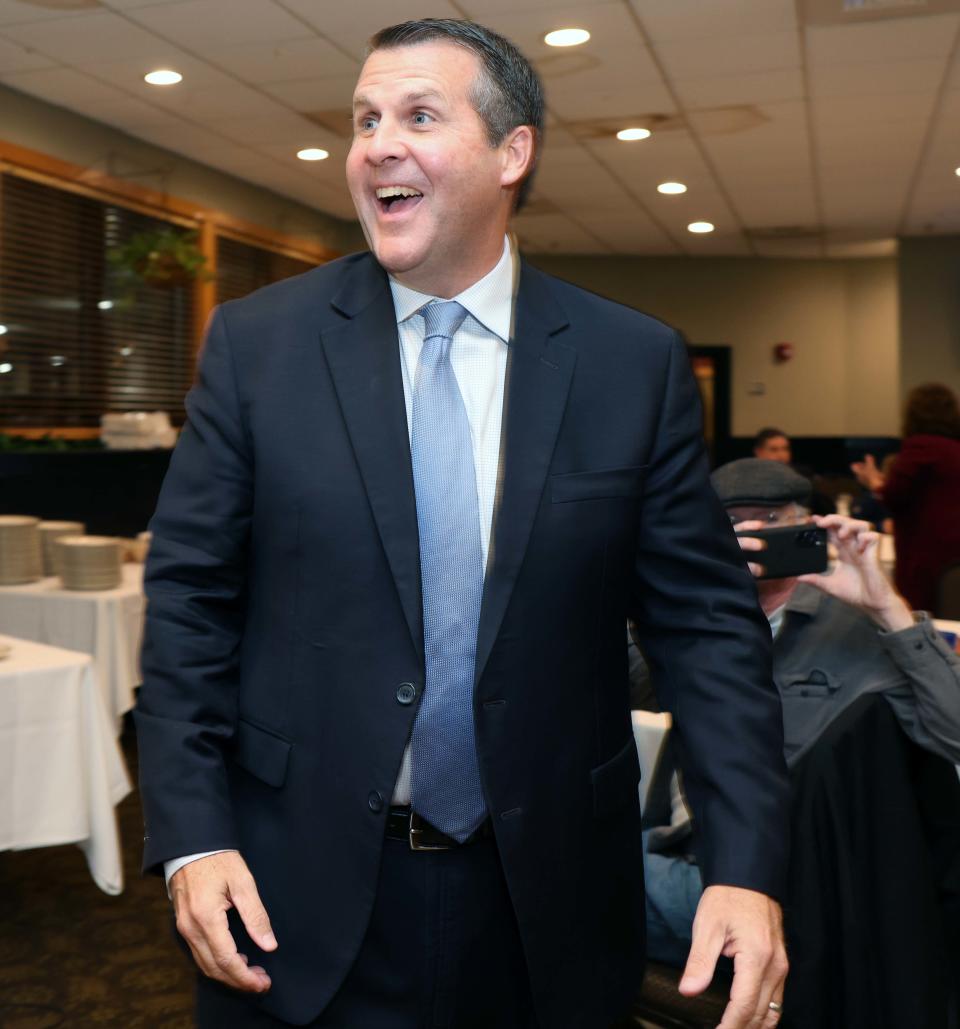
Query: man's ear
[[519, 149]]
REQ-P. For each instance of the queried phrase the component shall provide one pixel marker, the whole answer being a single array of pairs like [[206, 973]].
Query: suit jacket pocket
[[615, 781], [597, 485], [262, 753]]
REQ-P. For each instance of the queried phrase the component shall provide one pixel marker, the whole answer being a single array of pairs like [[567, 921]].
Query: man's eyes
[[369, 122]]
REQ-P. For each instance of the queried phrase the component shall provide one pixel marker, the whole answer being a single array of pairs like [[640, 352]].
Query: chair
[[661, 1004], [948, 593]]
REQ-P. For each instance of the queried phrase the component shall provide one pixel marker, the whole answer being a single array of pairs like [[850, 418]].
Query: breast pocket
[[813, 682], [602, 484]]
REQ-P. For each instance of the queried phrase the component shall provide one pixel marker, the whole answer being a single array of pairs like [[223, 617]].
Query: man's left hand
[[858, 578], [746, 926]]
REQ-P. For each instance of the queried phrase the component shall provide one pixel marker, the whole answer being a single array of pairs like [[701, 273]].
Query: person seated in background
[[869, 506], [837, 636], [772, 444]]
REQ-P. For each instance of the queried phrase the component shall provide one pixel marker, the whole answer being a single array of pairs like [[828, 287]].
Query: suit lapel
[[363, 354], [538, 381]]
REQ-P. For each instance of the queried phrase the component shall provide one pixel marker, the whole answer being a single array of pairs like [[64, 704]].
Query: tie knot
[[442, 319]]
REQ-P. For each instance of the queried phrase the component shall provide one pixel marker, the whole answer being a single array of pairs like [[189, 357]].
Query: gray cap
[[759, 482]]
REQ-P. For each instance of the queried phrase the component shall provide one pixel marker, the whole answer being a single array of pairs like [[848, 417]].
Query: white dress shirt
[[478, 355]]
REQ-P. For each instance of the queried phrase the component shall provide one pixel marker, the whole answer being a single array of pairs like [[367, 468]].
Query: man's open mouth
[[396, 199]]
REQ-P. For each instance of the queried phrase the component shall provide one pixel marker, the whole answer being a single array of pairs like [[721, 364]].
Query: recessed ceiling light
[[700, 227], [956, 171], [628, 134], [671, 187], [566, 37], [312, 153], [163, 77]]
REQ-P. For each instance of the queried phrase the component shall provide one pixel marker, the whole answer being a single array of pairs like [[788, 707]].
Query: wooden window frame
[[209, 223]]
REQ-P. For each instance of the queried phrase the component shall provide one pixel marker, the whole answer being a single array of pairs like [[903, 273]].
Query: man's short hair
[[768, 433], [754, 482], [508, 91]]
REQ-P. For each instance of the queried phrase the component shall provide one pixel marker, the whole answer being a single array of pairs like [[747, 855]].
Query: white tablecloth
[[650, 731], [61, 771], [107, 624]]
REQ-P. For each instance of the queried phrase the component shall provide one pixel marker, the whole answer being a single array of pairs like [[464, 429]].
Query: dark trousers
[[442, 952]]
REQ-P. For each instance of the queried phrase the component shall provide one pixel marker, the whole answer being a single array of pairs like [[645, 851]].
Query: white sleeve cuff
[[175, 864]]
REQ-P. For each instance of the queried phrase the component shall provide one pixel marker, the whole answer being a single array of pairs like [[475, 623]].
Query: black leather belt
[[403, 823]]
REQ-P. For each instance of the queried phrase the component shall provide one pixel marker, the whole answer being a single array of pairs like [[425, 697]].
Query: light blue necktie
[[445, 784]]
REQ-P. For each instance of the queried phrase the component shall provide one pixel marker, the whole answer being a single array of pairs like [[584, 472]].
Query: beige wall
[[840, 315], [59, 133], [929, 270]]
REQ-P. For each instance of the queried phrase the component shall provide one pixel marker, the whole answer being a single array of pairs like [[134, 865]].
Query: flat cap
[[757, 481]]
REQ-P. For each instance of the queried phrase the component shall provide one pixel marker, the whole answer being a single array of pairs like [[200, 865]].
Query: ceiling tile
[[325, 94], [900, 39], [200, 25], [14, 57], [757, 87], [284, 61], [15, 12], [61, 86], [100, 35], [880, 78], [735, 55], [715, 19], [352, 24]]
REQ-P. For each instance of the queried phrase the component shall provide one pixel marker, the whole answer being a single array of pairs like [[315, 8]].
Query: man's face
[[416, 133], [777, 448]]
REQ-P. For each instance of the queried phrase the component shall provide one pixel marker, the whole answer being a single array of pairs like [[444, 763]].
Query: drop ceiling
[[801, 127]]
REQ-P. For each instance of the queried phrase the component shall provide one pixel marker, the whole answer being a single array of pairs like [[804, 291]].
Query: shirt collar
[[489, 300]]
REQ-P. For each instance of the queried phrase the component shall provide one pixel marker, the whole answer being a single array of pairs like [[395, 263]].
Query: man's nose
[[385, 143]]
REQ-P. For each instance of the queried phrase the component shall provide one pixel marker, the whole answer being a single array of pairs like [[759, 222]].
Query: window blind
[[242, 268], [79, 337]]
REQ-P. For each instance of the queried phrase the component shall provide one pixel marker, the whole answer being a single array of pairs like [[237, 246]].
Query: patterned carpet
[[72, 956]]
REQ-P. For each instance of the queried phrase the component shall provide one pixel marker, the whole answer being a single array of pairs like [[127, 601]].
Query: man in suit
[[386, 751]]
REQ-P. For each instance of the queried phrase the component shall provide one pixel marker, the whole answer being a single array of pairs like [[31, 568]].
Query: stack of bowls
[[89, 562], [50, 532], [20, 556]]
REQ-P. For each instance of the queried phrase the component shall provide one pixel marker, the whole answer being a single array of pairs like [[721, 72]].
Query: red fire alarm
[[782, 352]]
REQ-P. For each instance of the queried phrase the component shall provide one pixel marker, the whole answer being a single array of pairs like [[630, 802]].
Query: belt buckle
[[417, 830]]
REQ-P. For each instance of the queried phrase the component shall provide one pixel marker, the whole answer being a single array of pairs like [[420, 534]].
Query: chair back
[[948, 593]]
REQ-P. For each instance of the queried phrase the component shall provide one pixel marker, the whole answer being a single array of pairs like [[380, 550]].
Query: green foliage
[[45, 444], [159, 257]]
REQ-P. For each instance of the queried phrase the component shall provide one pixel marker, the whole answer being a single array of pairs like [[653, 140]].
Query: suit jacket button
[[406, 693], [374, 801]]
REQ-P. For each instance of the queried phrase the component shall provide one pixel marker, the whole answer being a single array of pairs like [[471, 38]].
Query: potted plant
[[166, 257]]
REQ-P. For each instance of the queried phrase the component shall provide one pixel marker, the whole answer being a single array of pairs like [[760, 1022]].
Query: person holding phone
[[837, 635]]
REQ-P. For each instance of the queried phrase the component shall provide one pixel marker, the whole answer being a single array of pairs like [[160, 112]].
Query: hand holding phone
[[789, 550]]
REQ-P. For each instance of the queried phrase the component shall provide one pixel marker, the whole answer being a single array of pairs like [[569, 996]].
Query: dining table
[[61, 770], [106, 624]]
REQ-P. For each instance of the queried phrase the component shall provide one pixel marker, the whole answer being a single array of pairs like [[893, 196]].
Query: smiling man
[[386, 753]]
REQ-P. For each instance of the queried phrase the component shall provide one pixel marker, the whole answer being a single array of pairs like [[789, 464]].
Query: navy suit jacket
[[284, 613]]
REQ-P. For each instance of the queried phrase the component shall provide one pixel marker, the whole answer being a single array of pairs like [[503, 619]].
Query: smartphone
[[791, 550]]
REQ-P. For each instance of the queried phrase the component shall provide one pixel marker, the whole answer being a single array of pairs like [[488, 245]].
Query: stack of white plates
[[20, 559], [89, 562], [50, 532]]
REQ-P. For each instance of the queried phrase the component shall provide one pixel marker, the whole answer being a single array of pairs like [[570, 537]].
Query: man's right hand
[[203, 892]]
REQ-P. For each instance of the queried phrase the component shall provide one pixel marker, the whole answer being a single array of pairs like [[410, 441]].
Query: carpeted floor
[[72, 956]]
